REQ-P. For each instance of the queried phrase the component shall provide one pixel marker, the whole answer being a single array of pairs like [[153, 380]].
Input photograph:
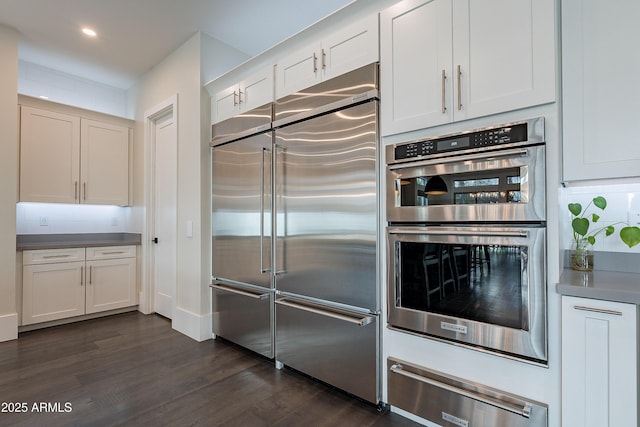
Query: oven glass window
[[475, 282], [475, 187]]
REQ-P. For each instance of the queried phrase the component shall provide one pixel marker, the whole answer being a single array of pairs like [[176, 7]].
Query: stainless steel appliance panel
[[504, 185], [344, 89], [452, 402], [241, 210], [326, 207], [333, 345], [242, 125], [243, 314], [501, 309]]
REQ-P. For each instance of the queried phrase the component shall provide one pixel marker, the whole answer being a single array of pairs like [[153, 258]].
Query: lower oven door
[[475, 285]]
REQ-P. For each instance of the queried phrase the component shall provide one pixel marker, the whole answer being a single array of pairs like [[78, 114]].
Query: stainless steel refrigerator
[[242, 284], [325, 232]]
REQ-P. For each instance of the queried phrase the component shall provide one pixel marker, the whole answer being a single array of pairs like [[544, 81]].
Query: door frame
[[147, 290]]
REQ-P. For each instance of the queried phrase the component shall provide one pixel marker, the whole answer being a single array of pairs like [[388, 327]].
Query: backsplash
[[621, 200], [54, 218]]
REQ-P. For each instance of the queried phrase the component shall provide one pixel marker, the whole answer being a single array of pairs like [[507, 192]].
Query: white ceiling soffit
[[135, 35]]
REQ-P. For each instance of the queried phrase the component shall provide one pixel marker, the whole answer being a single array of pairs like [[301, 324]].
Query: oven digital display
[[453, 143]]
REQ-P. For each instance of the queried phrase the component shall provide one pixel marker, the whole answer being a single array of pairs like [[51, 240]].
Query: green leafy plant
[[583, 232]]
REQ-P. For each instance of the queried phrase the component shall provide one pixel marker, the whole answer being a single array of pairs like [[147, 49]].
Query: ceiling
[[135, 35]]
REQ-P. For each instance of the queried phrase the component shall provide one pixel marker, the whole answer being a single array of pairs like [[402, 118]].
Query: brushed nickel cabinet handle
[[55, 256], [75, 190], [84, 191], [81, 275], [324, 59], [235, 99], [444, 88], [459, 88], [240, 97], [598, 310], [90, 274], [315, 62]]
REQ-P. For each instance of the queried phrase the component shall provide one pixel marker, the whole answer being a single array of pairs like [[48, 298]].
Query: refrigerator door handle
[[357, 319], [274, 215], [262, 268], [256, 295]]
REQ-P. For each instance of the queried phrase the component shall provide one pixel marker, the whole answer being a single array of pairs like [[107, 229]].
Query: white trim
[[8, 327], [195, 326], [168, 106]]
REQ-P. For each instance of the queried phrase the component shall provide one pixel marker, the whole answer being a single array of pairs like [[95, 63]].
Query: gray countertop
[[55, 241], [601, 284]]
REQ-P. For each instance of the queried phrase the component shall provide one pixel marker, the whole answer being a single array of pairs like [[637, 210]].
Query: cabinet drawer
[[50, 256], [110, 252], [451, 401]]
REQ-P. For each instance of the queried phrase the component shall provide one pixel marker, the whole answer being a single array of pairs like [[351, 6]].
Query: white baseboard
[[195, 326], [8, 327]]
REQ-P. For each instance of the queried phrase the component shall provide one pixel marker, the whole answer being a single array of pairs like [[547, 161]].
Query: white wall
[[9, 179], [60, 218], [621, 199], [181, 73], [36, 80]]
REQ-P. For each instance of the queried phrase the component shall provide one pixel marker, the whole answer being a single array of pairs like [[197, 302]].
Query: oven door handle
[[519, 152], [449, 232]]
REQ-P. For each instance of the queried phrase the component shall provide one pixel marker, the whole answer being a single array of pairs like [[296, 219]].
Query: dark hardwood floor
[[132, 369]]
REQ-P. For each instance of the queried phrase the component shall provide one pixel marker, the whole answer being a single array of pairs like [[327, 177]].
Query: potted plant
[[584, 235]]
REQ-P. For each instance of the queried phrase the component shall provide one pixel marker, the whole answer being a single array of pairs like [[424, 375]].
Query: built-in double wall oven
[[466, 239]]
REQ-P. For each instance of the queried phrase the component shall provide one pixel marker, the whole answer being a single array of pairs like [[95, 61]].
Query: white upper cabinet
[[600, 65], [252, 92], [346, 49], [49, 156], [450, 60], [104, 160], [68, 159]]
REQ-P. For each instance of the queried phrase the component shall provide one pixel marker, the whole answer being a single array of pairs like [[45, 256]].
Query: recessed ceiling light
[[89, 32]]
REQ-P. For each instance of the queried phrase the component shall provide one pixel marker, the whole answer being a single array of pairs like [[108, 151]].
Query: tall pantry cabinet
[[66, 158], [444, 60]]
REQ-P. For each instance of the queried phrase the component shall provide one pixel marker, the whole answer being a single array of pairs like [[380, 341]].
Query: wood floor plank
[[131, 370]]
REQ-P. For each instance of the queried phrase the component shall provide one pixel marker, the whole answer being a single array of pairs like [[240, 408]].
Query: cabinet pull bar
[[235, 99], [239, 96], [84, 191], [56, 256], [598, 310], [459, 88], [315, 63], [444, 84], [75, 190], [81, 275], [324, 59], [113, 253], [90, 274]]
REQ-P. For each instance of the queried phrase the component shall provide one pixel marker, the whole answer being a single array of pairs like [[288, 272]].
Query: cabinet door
[[298, 70], [52, 291], [599, 363], [352, 47], [415, 68], [111, 284], [104, 163], [49, 156], [504, 51], [600, 65], [256, 90], [225, 104]]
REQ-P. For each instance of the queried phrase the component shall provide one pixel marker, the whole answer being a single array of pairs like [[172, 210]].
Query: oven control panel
[[472, 140]]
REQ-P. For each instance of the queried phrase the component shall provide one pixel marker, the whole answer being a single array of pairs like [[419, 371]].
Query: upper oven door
[[488, 186]]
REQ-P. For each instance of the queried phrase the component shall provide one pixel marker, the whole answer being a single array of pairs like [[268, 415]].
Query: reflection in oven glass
[[475, 282]]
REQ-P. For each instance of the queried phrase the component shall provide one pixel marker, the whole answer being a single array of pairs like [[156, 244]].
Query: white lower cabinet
[[62, 283], [599, 363]]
